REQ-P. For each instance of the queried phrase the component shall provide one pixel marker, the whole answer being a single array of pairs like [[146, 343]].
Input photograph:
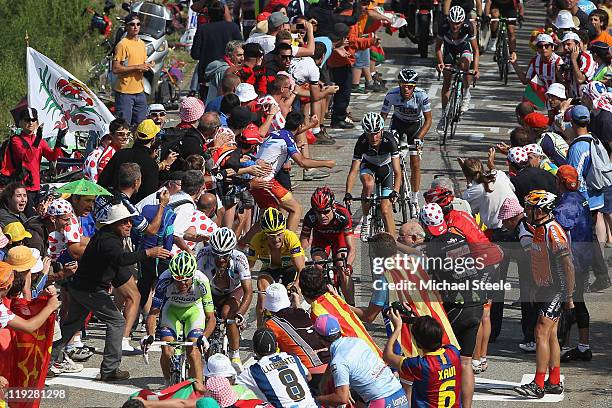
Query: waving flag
[[535, 92], [423, 302], [182, 390], [62, 100]]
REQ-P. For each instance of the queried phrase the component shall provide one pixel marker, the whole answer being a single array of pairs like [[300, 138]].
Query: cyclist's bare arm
[[446, 7], [350, 244], [300, 263], [353, 172], [426, 125], [487, 10], [476, 50], [439, 55], [211, 322], [397, 173], [152, 321], [247, 289]]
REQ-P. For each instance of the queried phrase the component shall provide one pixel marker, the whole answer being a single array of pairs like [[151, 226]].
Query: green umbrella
[[83, 187]]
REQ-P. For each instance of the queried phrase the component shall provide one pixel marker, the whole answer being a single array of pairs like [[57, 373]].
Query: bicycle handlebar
[[511, 19], [325, 261]]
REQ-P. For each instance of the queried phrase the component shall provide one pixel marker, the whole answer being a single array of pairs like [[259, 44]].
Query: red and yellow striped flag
[[423, 302], [349, 322]]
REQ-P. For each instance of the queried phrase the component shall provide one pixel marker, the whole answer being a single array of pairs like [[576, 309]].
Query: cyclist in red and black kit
[[331, 227]]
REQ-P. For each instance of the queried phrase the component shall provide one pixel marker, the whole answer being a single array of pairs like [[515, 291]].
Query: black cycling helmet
[[408, 76]]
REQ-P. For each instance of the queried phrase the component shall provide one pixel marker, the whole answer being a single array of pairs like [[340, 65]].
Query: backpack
[[599, 174], [560, 144], [165, 233]]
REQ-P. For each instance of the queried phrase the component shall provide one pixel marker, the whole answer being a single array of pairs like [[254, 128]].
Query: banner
[[535, 92], [62, 100], [423, 302], [192, 26], [26, 362], [182, 390]]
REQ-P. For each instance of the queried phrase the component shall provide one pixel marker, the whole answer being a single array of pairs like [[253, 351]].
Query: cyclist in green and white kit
[[183, 297]]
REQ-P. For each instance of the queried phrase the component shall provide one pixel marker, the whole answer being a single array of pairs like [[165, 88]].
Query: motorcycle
[[423, 19]]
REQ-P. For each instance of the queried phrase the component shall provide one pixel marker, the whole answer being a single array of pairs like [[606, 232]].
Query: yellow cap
[[16, 232], [147, 129]]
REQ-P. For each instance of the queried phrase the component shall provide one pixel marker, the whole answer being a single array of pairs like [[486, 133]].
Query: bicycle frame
[[452, 112], [375, 213], [502, 50], [331, 270], [218, 342]]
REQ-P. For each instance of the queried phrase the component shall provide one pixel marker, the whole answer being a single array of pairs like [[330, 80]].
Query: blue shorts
[[362, 59], [607, 198], [395, 400], [383, 176]]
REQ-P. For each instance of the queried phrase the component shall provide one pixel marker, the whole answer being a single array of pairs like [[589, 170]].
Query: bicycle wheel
[[505, 57], [449, 115], [404, 200], [175, 370], [498, 57], [457, 109]]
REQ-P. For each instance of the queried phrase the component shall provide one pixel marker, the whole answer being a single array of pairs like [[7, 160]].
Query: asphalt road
[[489, 121]]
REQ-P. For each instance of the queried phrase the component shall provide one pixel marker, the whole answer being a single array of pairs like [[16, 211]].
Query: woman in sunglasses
[[545, 64]]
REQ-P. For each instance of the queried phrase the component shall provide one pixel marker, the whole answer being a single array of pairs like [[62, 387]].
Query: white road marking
[[86, 380], [374, 105]]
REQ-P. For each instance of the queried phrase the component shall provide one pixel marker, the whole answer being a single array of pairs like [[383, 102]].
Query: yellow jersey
[[259, 249]]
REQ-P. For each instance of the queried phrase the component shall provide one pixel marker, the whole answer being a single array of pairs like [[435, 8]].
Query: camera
[[408, 317]]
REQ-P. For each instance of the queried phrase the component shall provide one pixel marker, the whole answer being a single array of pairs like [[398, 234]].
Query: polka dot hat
[[59, 207], [518, 156], [432, 218], [534, 148]]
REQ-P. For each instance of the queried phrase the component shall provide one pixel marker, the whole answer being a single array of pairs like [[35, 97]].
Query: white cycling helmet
[[372, 122], [456, 14], [223, 241]]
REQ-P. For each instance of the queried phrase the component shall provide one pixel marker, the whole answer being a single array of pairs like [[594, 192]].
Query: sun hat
[[433, 218], [20, 258], [264, 342], [220, 389], [28, 113], [116, 213], [59, 207], [219, 365], [518, 155], [277, 19], [147, 130], [564, 20], [276, 298], [6, 275], [557, 90], [156, 107], [570, 35], [246, 92], [568, 175], [327, 325], [534, 148], [15, 232], [510, 208], [545, 38], [191, 109], [38, 266]]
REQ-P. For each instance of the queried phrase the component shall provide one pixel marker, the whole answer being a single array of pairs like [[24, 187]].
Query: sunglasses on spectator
[[29, 120], [289, 57], [125, 133], [159, 114], [134, 24], [542, 46]]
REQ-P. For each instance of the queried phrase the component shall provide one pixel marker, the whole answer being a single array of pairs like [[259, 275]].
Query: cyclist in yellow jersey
[[280, 252]]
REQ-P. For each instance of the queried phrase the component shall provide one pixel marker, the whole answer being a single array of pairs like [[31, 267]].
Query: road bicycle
[[502, 50], [375, 214], [452, 112], [333, 269], [218, 342]]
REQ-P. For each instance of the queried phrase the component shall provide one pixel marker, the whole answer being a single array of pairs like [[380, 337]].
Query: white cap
[[246, 92], [570, 35], [156, 107], [38, 266], [116, 213], [219, 365], [564, 20], [545, 38], [276, 298], [557, 90]]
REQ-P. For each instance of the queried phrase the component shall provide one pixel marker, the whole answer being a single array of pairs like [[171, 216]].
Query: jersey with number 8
[[281, 380]]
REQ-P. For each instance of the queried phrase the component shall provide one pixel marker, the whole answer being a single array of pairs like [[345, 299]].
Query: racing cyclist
[[505, 9], [280, 253], [183, 298], [230, 281], [460, 49], [331, 227], [411, 120], [376, 159]]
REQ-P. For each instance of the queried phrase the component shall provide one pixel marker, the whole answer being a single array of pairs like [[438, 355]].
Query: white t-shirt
[[304, 70], [5, 316], [279, 379], [267, 42], [184, 213], [488, 204]]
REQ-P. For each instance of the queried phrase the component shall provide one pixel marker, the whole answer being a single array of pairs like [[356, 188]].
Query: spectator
[[216, 70], [24, 152], [139, 153], [603, 58], [528, 178], [130, 64], [119, 131], [556, 101], [229, 102], [219, 365], [277, 21], [599, 21], [229, 83], [13, 202], [172, 184], [184, 205], [411, 235], [191, 141], [545, 64], [103, 265], [552, 144], [326, 15], [253, 59], [90, 167], [210, 40], [599, 101], [578, 64], [458, 203], [247, 95], [523, 109], [157, 113]]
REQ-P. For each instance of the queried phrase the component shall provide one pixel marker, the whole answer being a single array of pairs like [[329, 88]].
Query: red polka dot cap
[[534, 149], [432, 218], [59, 207], [518, 156]]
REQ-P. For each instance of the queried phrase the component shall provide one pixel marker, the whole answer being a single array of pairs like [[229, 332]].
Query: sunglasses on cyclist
[[324, 212], [273, 235]]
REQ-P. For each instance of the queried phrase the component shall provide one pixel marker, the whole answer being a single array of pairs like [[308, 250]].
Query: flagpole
[[27, 39]]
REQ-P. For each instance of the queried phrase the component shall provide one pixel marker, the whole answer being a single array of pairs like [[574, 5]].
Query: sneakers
[[530, 390], [126, 347], [599, 284], [528, 347], [476, 367], [414, 209], [66, 366], [377, 77], [484, 364], [553, 388], [375, 87], [575, 354], [465, 104], [342, 125], [237, 364], [356, 89], [314, 174], [117, 375], [80, 353], [492, 44], [440, 127], [365, 229], [324, 139]]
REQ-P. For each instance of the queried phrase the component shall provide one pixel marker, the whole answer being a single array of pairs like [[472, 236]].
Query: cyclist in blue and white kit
[[354, 366], [230, 281], [183, 298], [411, 120]]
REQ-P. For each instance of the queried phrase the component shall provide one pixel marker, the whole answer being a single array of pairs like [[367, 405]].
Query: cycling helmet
[[372, 122], [272, 221], [222, 241], [182, 266], [456, 14], [322, 198], [439, 195], [541, 199], [408, 76]]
